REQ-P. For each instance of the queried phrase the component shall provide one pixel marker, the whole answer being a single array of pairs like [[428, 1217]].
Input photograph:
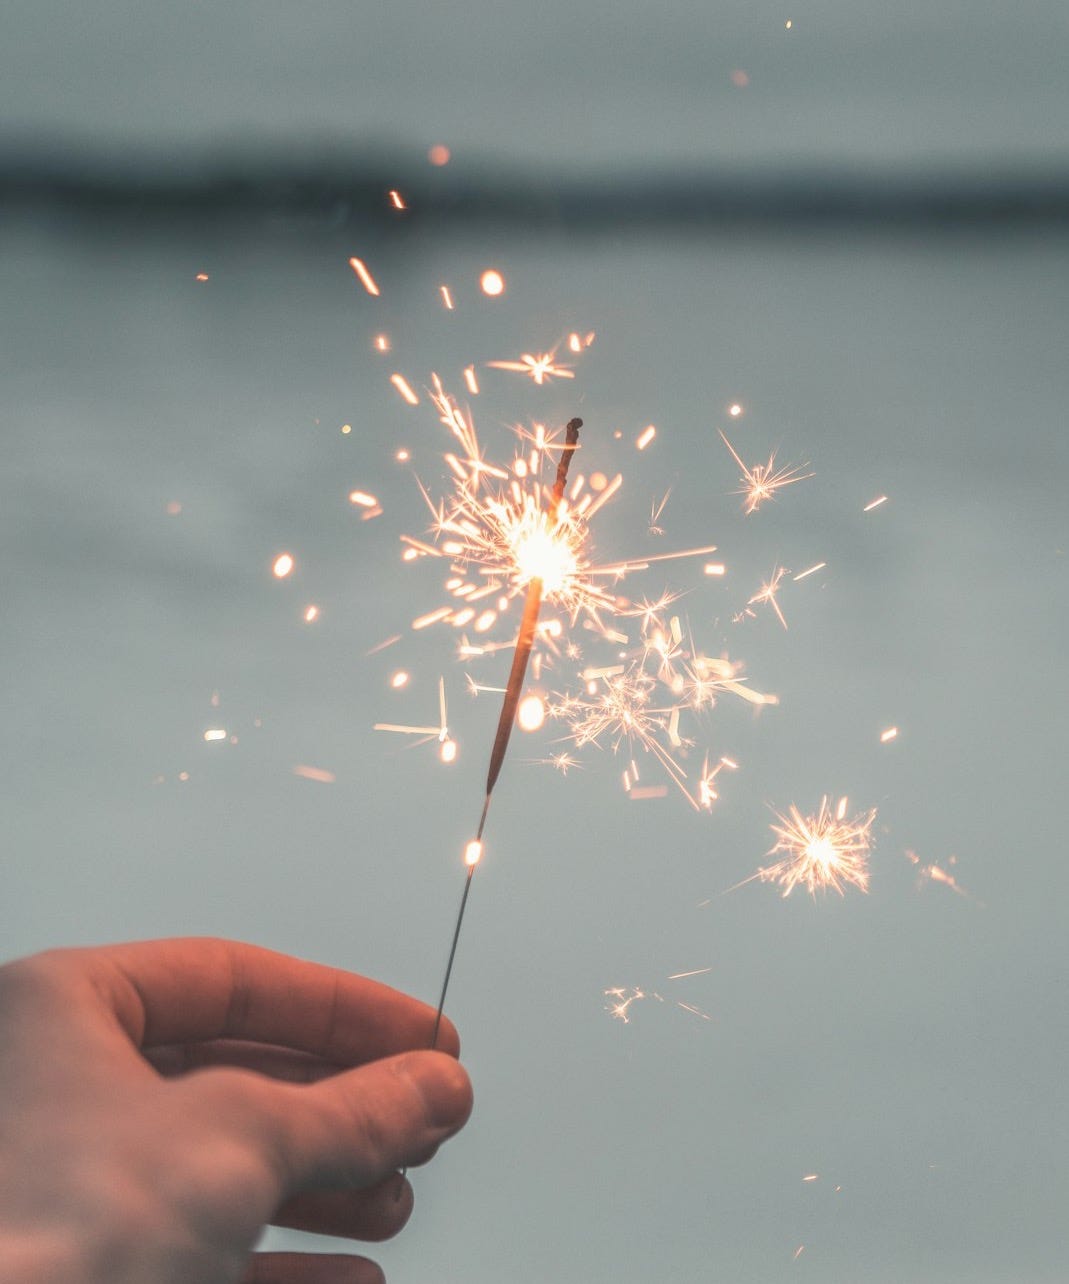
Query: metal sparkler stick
[[521, 656]]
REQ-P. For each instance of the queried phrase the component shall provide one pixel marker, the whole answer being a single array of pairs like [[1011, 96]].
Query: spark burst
[[762, 480], [822, 851], [502, 528], [541, 367]]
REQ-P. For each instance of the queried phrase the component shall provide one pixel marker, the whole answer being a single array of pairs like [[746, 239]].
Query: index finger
[[191, 989]]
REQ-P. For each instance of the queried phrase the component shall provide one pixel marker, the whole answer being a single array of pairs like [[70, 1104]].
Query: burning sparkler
[[539, 553]]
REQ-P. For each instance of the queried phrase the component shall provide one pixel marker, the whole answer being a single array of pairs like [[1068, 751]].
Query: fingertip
[[444, 1086]]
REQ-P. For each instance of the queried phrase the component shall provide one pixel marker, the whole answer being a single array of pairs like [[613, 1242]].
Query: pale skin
[[161, 1102]]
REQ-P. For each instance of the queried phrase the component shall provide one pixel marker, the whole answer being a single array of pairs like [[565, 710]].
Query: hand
[[161, 1102]]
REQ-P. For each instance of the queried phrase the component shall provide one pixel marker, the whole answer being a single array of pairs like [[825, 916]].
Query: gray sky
[[587, 85]]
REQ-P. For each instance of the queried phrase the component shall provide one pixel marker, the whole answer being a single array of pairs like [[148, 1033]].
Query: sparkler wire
[[522, 654]]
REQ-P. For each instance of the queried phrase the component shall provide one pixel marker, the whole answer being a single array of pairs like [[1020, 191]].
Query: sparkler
[[549, 549]]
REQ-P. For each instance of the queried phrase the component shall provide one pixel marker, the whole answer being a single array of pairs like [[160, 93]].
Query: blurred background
[[837, 231]]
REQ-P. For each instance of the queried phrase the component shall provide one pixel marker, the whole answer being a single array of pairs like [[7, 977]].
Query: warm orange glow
[[397, 200], [531, 713], [714, 568], [283, 565], [447, 297], [645, 437], [311, 614], [202, 276], [739, 78], [734, 410], [362, 499], [366, 279], [314, 773], [402, 386], [382, 343], [492, 283], [471, 381], [399, 680], [215, 733], [439, 154], [545, 555], [448, 751], [887, 735], [875, 504], [346, 429], [473, 853], [174, 508]]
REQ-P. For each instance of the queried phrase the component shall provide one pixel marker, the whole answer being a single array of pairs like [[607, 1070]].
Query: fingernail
[[444, 1087]]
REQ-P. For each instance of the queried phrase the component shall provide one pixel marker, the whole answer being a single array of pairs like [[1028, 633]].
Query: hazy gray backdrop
[[163, 438]]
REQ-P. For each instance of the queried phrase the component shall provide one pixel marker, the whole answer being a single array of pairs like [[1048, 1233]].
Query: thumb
[[356, 1127]]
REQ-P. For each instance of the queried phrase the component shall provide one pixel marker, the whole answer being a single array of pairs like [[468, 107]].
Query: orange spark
[[645, 437], [812, 570], [767, 593], [540, 367], [283, 565], [402, 386], [314, 773], [762, 480], [492, 283], [531, 713], [934, 873], [366, 279]]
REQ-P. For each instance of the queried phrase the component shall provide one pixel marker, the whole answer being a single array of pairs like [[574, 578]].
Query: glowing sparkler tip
[[473, 853], [282, 566]]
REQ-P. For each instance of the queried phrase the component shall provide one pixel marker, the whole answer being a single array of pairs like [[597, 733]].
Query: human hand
[[160, 1102]]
